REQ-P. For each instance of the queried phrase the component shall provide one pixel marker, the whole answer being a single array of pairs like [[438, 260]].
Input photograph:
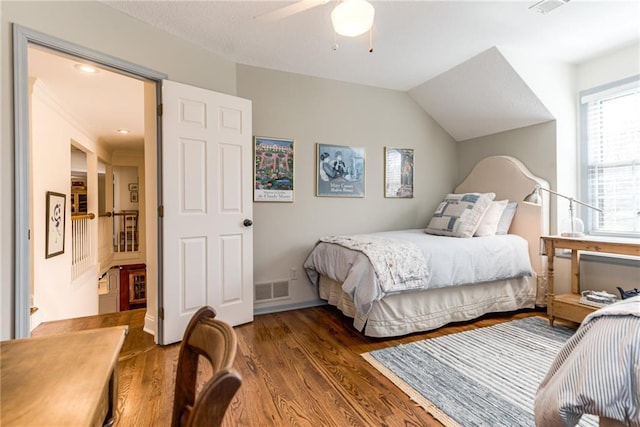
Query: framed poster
[[56, 207], [398, 172], [273, 170], [340, 171]]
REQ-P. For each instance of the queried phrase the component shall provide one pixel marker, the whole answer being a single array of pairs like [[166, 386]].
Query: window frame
[[583, 147]]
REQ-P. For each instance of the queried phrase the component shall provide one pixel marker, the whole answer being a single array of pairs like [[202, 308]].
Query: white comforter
[[450, 261]]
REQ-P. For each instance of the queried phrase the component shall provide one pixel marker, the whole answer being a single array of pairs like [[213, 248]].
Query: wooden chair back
[[216, 341]]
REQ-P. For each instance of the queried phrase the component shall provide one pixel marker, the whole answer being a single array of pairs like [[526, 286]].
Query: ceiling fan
[[350, 18]]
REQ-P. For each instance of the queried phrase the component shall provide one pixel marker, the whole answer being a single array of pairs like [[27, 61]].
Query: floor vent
[[271, 291]]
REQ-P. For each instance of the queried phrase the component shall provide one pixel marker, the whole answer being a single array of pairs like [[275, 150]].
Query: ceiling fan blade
[[292, 9]]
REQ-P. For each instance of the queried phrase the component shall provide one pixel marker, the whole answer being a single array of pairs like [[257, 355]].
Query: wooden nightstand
[[567, 306]]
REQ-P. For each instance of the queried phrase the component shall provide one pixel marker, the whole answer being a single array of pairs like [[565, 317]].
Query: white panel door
[[207, 199]]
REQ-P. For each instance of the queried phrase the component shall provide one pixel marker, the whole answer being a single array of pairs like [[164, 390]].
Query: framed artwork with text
[[273, 169], [340, 171]]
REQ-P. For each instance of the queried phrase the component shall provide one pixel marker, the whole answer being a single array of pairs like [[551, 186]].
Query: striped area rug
[[483, 377]]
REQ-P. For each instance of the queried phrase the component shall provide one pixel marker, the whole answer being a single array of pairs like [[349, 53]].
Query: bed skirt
[[419, 311]]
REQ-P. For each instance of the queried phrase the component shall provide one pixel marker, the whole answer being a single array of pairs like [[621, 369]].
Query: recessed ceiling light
[[86, 68], [123, 131]]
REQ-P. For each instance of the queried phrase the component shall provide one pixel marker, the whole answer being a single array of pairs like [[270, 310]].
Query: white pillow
[[489, 222], [459, 214], [507, 217]]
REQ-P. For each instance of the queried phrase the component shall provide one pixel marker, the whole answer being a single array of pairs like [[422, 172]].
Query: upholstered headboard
[[510, 179]]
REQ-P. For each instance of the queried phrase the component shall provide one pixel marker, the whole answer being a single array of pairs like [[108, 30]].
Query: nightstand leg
[[551, 252]]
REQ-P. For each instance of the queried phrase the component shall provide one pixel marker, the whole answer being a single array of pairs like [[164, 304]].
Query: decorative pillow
[[489, 222], [507, 217], [459, 214]]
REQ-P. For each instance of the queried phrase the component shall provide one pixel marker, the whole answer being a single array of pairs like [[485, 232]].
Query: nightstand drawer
[[567, 306]]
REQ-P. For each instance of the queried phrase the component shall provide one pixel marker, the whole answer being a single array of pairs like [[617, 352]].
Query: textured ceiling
[[414, 41]]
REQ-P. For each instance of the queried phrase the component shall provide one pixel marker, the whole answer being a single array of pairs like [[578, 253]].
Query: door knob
[[248, 223]]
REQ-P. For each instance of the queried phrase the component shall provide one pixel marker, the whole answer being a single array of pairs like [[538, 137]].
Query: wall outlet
[[293, 273]]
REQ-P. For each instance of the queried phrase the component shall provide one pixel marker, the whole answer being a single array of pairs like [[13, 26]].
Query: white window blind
[[611, 143]]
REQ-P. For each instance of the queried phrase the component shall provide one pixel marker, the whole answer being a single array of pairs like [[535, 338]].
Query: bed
[[390, 312], [597, 371]]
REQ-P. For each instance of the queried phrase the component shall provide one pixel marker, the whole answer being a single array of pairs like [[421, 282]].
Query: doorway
[[100, 115], [212, 264], [28, 198]]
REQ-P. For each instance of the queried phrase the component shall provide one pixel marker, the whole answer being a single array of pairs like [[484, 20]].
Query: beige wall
[[99, 27], [532, 145], [311, 110]]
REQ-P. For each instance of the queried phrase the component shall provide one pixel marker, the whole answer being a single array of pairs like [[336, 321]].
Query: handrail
[[89, 215], [126, 213], [106, 214]]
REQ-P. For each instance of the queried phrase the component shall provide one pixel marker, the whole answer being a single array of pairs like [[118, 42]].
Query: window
[[610, 171]]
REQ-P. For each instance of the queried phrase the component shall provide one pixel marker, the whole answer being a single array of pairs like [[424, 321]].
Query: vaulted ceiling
[[482, 96]]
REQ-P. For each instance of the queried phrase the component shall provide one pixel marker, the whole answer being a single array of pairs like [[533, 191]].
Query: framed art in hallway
[[398, 172], [56, 203], [340, 171], [273, 169]]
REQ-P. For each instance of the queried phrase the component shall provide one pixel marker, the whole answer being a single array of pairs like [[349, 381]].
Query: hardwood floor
[[299, 368]]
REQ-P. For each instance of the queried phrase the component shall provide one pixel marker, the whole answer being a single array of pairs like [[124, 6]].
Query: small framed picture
[[340, 171], [273, 170], [133, 197], [133, 186], [398, 172], [56, 210]]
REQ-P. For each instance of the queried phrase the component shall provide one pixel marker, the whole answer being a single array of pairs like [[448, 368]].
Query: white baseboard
[[150, 325]]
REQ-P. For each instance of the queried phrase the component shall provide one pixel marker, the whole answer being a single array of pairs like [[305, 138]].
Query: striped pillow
[[459, 214]]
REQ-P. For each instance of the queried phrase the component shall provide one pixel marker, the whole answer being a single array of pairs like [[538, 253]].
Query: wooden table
[[567, 306], [61, 380]]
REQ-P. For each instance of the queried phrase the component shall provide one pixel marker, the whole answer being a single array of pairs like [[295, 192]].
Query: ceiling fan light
[[352, 17]]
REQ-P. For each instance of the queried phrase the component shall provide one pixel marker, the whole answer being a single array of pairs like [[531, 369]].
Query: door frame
[[22, 37]]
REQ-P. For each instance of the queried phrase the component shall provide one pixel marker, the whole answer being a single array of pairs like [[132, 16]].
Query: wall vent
[[546, 6], [262, 291], [271, 291]]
